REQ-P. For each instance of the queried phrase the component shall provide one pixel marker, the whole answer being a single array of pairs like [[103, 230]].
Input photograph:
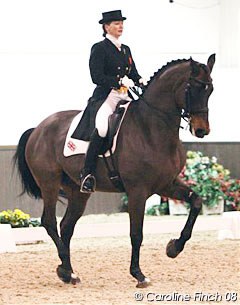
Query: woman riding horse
[[113, 71], [149, 157]]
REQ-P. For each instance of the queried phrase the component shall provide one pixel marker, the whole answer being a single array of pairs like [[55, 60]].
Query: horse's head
[[199, 88], [187, 85]]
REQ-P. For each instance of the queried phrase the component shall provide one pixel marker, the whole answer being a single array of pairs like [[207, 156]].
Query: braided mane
[[166, 67]]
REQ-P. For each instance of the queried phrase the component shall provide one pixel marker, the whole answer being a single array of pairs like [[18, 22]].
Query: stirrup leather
[[88, 184]]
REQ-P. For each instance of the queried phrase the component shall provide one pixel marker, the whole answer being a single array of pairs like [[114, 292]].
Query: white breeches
[[107, 109]]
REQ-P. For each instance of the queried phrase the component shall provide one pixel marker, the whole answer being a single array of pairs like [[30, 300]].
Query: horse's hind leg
[[50, 195], [182, 192], [76, 206], [48, 220]]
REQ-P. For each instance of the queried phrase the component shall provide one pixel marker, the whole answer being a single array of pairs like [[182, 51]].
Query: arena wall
[[10, 186]]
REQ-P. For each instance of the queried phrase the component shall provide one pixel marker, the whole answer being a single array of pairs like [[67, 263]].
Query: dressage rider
[[113, 70]]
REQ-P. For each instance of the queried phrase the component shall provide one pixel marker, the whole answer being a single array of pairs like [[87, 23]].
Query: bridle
[[187, 112]]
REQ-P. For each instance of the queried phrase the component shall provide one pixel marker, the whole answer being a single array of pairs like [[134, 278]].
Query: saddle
[[86, 125]]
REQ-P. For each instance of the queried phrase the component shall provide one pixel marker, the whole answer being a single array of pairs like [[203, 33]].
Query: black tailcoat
[[108, 65]]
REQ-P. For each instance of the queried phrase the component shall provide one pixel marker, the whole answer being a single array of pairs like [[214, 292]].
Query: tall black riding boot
[[87, 175]]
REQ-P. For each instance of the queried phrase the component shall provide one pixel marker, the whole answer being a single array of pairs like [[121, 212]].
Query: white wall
[[45, 45]]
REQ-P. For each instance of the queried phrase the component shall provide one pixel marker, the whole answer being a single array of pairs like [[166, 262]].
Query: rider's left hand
[[142, 82]]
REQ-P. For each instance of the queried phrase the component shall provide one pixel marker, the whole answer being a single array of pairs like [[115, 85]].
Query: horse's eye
[[206, 87]]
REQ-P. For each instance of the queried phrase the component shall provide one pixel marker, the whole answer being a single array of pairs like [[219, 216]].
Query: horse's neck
[[159, 107], [156, 116], [153, 125], [162, 89], [161, 100]]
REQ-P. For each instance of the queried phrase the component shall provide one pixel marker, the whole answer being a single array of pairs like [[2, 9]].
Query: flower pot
[[7, 242], [30, 235], [217, 209], [177, 207]]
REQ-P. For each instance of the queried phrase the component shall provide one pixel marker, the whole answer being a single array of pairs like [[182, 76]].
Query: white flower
[[214, 174], [214, 160], [202, 166], [190, 162], [205, 160]]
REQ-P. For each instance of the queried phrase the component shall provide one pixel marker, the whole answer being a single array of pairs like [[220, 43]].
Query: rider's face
[[115, 28]]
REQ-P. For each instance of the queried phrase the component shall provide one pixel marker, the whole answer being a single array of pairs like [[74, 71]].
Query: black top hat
[[112, 16]]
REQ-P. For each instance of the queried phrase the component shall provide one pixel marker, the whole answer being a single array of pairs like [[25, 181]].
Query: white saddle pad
[[74, 146]]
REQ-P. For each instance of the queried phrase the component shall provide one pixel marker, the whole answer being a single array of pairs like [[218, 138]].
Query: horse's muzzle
[[200, 133], [199, 127]]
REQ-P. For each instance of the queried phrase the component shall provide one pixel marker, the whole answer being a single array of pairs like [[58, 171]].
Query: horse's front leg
[[136, 207], [182, 192]]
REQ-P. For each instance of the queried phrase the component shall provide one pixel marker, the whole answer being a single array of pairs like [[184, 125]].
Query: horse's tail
[[29, 185]]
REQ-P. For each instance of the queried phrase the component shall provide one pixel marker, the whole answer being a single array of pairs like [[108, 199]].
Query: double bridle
[[188, 111], [188, 97]]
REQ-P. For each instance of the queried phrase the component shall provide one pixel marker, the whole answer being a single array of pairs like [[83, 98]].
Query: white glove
[[127, 82], [143, 81]]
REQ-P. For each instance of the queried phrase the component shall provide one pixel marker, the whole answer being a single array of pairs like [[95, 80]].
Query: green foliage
[[154, 210], [124, 200], [158, 209]]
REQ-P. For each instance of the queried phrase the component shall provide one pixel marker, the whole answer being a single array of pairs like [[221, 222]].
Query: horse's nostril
[[200, 133]]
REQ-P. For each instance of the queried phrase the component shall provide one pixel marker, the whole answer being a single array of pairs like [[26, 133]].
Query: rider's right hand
[[127, 82]]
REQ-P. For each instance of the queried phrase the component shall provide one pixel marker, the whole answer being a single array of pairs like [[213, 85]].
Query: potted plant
[[158, 206], [205, 176], [25, 229], [231, 189], [18, 219], [178, 207], [155, 205]]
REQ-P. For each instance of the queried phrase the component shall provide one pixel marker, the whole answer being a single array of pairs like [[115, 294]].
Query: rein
[[158, 111]]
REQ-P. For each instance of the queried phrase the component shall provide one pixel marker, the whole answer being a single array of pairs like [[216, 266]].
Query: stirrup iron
[[88, 186]]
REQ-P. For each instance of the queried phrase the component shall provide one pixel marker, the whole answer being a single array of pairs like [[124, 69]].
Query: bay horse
[[149, 156]]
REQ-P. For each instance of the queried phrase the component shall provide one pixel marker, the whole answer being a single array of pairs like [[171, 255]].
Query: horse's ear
[[211, 62], [195, 67]]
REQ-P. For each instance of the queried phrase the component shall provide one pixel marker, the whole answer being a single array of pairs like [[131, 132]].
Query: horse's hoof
[[74, 279], [67, 276], [171, 249], [143, 284]]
